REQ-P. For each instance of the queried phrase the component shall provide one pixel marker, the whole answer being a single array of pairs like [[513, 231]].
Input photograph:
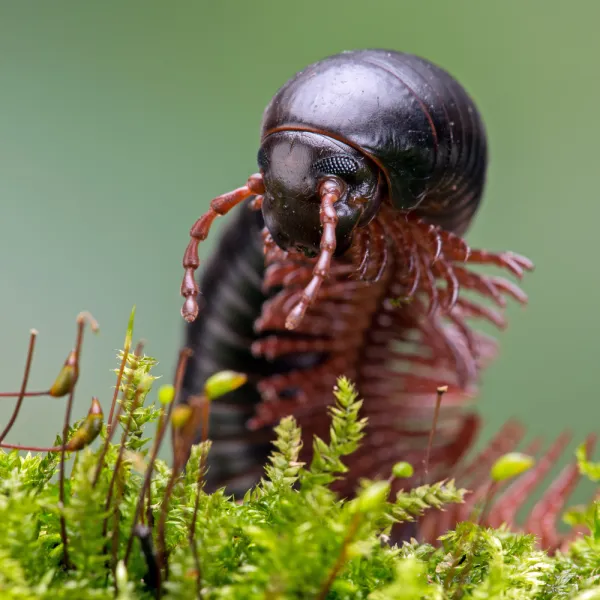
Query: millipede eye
[[337, 165]]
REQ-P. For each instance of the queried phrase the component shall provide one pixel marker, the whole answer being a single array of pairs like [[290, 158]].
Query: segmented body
[[395, 308], [396, 353]]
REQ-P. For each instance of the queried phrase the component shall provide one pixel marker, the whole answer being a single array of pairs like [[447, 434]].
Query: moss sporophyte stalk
[[96, 514]]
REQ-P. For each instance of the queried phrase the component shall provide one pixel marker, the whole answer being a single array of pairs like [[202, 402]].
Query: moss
[[137, 527]]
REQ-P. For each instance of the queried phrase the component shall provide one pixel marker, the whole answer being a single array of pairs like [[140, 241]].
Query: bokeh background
[[119, 121]]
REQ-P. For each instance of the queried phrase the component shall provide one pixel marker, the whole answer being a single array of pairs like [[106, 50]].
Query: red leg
[[455, 247], [370, 252], [359, 252], [431, 288], [274, 407], [457, 319], [473, 310], [221, 205], [509, 260], [330, 193], [444, 269], [509, 288], [256, 204], [432, 254], [291, 274], [415, 269], [409, 277], [272, 252], [543, 517], [464, 363], [380, 238], [509, 436], [428, 238], [516, 493], [481, 284], [273, 347], [280, 274]]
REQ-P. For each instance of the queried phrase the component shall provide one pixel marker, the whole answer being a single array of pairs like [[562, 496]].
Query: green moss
[[290, 537]]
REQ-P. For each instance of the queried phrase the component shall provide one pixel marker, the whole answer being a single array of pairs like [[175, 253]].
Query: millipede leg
[[292, 275], [256, 204], [437, 254], [455, 247], [272, 347], [507, 506], [277, 274], [381, 250], [359, 252], [330, 193], [506, 260], [443, 268], [271, 250], [481, 284], [543, 517], [472, 310], [219, 206]]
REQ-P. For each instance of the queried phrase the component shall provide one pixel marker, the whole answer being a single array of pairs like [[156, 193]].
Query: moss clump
[[138, 527]]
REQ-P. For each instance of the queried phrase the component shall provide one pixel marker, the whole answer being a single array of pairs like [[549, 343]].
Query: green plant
[[120, 522]]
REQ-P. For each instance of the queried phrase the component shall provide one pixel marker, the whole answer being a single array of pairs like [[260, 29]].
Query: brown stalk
[[32, 338], [162, 550], [205, 407], [205, 417], [192, 534], [109, 424], [81, 321], [489, 497], [339, 563], [184, 434], [165, 416], [87, 432], [440, 392], [31, 448], [459, 559], [175, 472], [115, 473], [27, 395], [149, 514]]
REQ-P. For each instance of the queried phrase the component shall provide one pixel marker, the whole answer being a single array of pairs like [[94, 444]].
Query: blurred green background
[[119, 121]]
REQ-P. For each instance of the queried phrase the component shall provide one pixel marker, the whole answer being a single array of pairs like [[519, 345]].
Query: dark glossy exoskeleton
[[365, 125], [346, 258], [389, 125]]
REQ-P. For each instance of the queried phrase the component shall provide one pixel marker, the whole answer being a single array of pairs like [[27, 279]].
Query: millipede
[[345, 256]]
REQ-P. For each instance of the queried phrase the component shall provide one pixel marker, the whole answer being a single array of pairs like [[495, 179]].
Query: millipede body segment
[[345, 256]]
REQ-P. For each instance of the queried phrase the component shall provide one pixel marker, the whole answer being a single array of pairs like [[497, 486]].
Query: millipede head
[[294, 165]]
